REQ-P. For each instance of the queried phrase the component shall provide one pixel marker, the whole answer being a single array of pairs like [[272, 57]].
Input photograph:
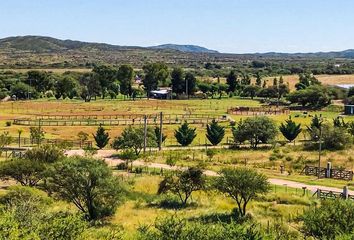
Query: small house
[[162, 93], [349, 109]]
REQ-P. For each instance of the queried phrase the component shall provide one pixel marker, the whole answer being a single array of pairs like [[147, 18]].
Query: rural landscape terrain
[[100, 141]]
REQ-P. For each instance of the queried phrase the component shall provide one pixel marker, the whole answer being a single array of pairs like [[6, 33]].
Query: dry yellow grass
[[325, 79]]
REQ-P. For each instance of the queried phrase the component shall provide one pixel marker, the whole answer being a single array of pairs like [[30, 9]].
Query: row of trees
[[133, 138], [253, 130], [103, 81], [240, 184]]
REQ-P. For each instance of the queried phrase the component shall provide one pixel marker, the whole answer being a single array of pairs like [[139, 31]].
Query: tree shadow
[[171, 204], [216, 218]]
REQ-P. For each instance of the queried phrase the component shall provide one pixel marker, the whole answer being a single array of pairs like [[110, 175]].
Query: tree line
[[336, 135]]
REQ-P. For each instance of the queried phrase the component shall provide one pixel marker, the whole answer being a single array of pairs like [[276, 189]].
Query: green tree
[[245, 80], [177, 81], [40, 80], [231, 81], [133, 138], [155, 73], [184, 184], [90, 86], [282, 90], [65, 87], [185, 135], [222, 88], [101, 137], [29, 169], [23, 171], [332, 220], [242, 185], [37, 135], [351, 128], [191, 82], [306, 80], [334, 138], [251, 91], [313, 97], [27, 213], [215, 133], [125, 76], [87, 183], [256, 130], [23, 91], [290, 130], [316, 122], [259, 79], [45, 154], [5, 139], [205, 88], [106, 76], [157, 136]]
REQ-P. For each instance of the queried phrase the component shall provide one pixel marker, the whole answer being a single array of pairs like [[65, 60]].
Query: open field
[[282, 205], [211, 107], [324, 79], [293, 79]]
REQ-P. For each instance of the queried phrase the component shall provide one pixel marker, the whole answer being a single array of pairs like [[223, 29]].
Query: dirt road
[[107, 155]]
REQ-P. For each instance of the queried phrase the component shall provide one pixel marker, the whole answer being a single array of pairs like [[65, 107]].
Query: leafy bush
[[331, 220], [27, 215], [133, 138], [180, 229], [184, 184], [255, 130], [333, 138], [88, 183]]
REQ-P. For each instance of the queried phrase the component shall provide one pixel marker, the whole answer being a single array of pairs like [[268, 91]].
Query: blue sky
[[237, 26]]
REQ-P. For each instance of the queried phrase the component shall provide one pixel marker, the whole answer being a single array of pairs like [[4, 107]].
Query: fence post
[[318, 193], [345, 192], [328, 170]]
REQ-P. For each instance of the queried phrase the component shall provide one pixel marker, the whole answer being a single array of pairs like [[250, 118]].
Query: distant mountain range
[[32, 51], [340, 54], [185, 48], [47, 44]]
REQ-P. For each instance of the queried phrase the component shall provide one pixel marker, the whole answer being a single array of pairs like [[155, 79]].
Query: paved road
[[107, 155]]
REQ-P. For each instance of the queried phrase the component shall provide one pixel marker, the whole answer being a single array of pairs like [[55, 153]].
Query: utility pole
[[319, 153], [187, 88], [28, 89], [145, 132], [160, 140]]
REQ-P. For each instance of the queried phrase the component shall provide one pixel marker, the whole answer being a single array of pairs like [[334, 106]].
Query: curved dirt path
[[107, 156]]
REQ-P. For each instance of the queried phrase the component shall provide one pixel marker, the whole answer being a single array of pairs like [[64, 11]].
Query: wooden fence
[[258, 111], [313, 171], [115, 120], [325, 194], [328, 173], [71, 143]]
